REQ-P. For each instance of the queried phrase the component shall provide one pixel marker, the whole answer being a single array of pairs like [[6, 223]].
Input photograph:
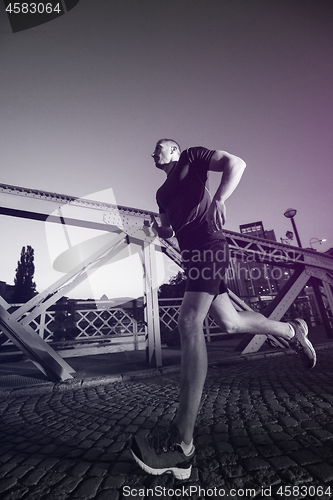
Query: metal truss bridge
[[133, 227]]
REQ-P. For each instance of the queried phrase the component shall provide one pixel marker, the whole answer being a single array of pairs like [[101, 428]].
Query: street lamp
[[316, 240], [289, 237], [290, 214]]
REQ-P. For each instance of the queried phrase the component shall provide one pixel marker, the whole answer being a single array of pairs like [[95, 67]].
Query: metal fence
[[85, 322], [97, 322]]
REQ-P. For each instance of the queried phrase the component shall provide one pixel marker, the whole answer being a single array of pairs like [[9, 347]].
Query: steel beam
[[277, 309], [35, 348], [153, 334]]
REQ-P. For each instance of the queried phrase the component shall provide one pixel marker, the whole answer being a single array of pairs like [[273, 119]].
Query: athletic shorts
[[206, 266]]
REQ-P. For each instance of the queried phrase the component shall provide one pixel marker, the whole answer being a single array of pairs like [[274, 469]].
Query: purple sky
[[84, 98]]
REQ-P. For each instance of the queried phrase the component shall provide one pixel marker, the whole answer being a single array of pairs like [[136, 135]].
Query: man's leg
[[232, 321], [193, 311], [173, 451]]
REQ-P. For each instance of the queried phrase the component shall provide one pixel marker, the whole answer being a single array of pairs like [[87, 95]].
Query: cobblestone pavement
[[265, 430]]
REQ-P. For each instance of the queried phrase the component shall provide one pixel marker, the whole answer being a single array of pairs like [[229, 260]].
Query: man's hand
[[216, 214], [165, 232]]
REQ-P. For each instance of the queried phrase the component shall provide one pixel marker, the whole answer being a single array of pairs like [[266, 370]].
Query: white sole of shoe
[[308, 343], [176, 471]]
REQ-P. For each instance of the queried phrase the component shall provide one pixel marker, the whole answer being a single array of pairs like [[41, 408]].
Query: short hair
[[172, 141]]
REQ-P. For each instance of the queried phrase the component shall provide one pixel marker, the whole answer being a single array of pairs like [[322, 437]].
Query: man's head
[[166, 151]]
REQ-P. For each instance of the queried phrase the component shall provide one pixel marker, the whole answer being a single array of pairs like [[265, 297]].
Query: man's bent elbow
[[243, 166], [237, 165], [240, 164]]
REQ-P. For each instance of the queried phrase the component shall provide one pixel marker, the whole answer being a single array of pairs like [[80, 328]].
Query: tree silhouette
[[175, 287], [24, 286]]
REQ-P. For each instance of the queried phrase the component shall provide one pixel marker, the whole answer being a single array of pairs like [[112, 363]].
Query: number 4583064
[[32, 8], [304, 491]]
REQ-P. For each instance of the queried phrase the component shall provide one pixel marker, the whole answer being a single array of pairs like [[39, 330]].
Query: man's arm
[[232, 169]]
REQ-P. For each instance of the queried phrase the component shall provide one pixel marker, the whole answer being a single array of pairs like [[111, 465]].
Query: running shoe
[[162, 453], [301, 344]]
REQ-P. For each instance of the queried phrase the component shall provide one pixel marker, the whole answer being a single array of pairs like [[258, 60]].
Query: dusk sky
[[85, 97]]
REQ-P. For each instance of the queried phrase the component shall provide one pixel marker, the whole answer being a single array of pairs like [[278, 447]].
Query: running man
[[187, 210]]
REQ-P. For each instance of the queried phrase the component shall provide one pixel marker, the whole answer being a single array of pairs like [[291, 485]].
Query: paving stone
[[108, 495], [237, 432], [279, 436], [324, 452], [273, 428], [295, 431], [220, 428], [257, 430], [49, 449], [252, 424], [281, 462], [252, 464], [204, 430], [113, 481], [93, 454], [247, 452], [33, 477], [304, 457], [288, 446], [205, 451], [5, 468], [5, 457], [132, 429], [323, 404], [265, 478], [261, 439], [208, 465], [99, 469], [295, 475], [51, 479], [204, 440], [122, 468], [48, 463], [75, 454], [80, 469], [321, 434], [21, 470], [16, 493], [240, 441], [307, 440], [269, 450], [7, 483], [88, 488], [223, 447], [288, 422], [237, 423], [324, 472]]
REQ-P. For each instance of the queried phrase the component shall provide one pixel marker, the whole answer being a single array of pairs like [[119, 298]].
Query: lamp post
[[316, 240], [290, 214], [288, 238]]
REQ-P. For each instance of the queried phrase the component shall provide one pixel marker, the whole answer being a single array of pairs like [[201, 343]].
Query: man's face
[[162, 154]]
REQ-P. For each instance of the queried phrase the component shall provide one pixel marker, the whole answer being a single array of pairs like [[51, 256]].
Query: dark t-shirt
[[185, 198]]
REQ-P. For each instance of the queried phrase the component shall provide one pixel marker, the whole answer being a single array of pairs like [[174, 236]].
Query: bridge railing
[[77, 323], [88, 322], [84, 322]]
